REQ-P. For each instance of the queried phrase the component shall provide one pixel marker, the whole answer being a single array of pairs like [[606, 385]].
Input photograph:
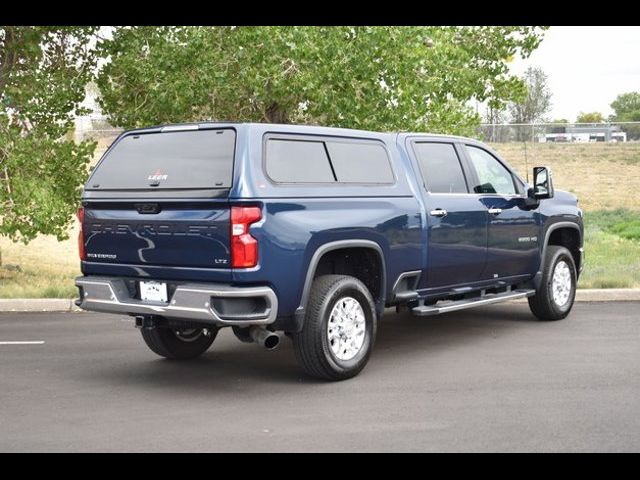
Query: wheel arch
[[564, 234], [327, 248]]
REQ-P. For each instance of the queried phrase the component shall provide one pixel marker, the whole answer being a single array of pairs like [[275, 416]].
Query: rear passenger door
[[513, 226], [456, 220]]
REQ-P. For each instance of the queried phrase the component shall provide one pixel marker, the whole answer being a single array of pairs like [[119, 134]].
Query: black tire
[[178, 344], [312, 345], [542, 304]]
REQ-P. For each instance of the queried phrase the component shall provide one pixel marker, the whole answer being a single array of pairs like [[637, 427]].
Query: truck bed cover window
[[327, 161], [169, 160], [362, 162], [298, 161]]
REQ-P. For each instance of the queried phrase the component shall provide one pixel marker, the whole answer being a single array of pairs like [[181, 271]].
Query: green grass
[[45, 268], [34, 283], [629, 229], [612, 249]]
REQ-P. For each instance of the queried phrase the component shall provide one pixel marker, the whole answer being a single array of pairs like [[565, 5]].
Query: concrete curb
[[608, 295], [67, 305], [37, 305], [602, 295]]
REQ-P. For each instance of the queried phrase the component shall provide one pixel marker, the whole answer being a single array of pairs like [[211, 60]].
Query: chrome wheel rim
[[561, 283], [346, 328], [189, 334]]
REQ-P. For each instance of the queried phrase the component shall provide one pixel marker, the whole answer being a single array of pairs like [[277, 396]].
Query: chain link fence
[[99, 129], [598, 162], [96, 128], [594, 161], [506, 137], [613, 132]]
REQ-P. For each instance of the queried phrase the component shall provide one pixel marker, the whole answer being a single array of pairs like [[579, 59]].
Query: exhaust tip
[[264, 337], [271, 342]]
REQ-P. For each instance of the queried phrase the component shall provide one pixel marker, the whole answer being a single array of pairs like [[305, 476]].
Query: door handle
[[438, 212], [495, 211]]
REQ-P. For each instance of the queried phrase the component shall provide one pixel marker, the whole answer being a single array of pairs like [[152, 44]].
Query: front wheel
[[178, 344], [555, 296], [339, 328]]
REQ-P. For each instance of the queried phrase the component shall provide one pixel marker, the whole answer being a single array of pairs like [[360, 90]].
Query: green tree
[[590, 117], [43, 72], [494, 130], [395, 78], [626, 108], [535, 104]]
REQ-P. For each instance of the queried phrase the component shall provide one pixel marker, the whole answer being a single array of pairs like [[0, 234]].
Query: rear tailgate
[[176, 234], [159, 199]]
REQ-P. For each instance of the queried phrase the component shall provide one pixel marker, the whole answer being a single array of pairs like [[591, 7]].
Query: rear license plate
[[153, 291]]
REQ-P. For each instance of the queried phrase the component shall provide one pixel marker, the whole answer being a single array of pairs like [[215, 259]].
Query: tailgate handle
[[147, 208]]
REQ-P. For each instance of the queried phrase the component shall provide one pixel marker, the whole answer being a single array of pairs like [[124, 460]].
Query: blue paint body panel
[[189, 238]]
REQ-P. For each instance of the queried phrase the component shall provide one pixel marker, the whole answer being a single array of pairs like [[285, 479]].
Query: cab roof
[[292, 128]]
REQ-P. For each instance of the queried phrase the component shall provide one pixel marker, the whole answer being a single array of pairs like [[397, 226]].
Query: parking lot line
[[26, 342]]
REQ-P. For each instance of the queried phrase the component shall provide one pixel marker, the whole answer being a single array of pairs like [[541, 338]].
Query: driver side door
[[513, 227]]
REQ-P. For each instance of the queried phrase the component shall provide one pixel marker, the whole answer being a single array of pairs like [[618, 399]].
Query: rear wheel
[[178, 344], [555, 296], [339, 328]]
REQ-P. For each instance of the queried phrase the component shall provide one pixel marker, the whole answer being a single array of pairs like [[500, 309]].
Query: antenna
[[526, 164]]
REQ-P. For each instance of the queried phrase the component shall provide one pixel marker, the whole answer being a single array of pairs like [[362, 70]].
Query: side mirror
[[542, 183]]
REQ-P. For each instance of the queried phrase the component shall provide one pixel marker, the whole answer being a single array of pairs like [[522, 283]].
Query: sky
[[587, 67]]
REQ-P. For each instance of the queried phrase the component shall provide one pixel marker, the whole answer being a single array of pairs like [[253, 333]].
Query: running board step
[[425, 310]]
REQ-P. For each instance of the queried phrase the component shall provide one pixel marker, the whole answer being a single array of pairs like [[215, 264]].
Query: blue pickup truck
[[313, 232]]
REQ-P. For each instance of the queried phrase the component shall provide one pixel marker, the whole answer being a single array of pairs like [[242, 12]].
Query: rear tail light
[[81, 249], [244, 248]]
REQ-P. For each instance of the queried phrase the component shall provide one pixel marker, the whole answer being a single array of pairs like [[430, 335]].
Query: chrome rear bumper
[[200, 302]]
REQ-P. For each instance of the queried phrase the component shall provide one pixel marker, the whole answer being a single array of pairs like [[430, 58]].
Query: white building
[[584, 134]]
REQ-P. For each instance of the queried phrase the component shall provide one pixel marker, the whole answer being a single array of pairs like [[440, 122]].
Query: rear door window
[[440, 167], [171, 160]]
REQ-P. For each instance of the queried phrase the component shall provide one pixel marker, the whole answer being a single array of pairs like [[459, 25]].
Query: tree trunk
[[274, 114], [7, 56]]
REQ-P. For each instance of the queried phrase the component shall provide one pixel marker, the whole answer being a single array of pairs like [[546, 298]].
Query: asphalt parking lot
[[490, 379]]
